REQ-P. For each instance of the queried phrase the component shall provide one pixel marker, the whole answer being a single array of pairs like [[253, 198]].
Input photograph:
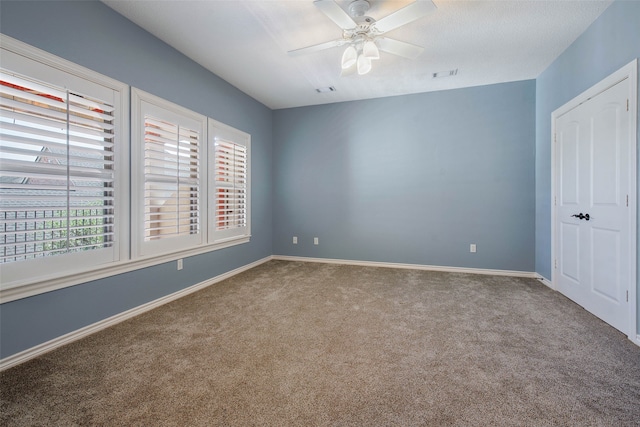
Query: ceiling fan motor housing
[[358, 8], [364, 28]]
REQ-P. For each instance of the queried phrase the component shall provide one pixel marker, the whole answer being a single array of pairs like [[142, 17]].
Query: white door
[[593, 256]]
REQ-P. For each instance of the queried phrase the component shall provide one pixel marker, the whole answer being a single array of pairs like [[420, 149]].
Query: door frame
[[630, 72]]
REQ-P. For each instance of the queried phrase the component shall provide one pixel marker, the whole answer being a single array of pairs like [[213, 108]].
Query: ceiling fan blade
[[409, 13], [317, 47], [336, 14], [396, 47]]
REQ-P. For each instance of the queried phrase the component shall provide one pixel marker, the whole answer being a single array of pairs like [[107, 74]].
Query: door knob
[[581, 216]]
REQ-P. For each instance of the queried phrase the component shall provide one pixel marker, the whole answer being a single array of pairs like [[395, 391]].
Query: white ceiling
[[245, 42]]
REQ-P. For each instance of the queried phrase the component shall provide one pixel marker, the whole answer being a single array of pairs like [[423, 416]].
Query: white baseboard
[[48, 346], [511, 273]]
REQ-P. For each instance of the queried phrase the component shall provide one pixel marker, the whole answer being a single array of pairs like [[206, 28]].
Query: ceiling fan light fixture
[[364, 64], [346, 72], [370, 50], [349, 57]]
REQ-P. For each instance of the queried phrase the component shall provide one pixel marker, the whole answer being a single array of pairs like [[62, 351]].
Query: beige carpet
[[307, 344]]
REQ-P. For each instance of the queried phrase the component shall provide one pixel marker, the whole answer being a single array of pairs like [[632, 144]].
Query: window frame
[[141, 103], [26, 60]]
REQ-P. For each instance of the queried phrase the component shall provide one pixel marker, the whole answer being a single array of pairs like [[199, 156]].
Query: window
[[60, 155], [170, 176], [229, 189], [187, 194], [74, 208]]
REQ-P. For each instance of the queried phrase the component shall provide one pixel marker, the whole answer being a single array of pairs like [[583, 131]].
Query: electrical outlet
[[315, 241], [472, 248], [295, 240], [180, 264]]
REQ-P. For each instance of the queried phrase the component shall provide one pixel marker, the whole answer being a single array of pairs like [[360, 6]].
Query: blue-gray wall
[[90, 34], [611, 42], [411, 179]]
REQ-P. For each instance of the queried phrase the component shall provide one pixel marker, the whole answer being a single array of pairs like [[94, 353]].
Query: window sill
[[45, 284]]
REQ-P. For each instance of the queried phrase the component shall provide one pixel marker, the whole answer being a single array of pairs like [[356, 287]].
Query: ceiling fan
[[364, 35]]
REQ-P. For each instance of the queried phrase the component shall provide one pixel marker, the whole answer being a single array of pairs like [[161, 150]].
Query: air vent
[[326, 89], [449, 73]]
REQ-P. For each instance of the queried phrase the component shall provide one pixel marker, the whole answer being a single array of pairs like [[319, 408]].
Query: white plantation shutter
[[56, 170], [229, 192], [172, 180], [169, 170], [231, 185]]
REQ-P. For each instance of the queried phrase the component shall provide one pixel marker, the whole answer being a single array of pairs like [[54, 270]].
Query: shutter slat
[[56, 144], [162, 139], [21, 254], [59, 114], [32, 169], [25, 82], [15, 197], [107, 218], [56, 101], [27, 123], [30, 132], [169, 178], [93, 106], [84, 133], [39, 235], [25, 152]]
